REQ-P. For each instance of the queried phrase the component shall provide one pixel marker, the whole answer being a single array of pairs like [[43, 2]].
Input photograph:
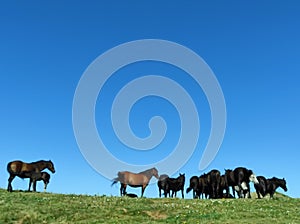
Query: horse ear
[[283, 179]]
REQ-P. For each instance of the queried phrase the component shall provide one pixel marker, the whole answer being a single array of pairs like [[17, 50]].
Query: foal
[[44, 176]]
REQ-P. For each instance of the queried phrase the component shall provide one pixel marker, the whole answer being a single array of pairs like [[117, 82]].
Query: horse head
[[50, 166], [155, 173], [253, 178], [182, 176], [280, 182], [283, 185]]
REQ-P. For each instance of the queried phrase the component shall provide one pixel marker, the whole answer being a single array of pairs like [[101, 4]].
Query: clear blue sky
[[252, 47]]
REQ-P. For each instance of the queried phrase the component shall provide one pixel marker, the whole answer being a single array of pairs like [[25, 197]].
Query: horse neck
[[148, 173], [42, 165], [277, 183]]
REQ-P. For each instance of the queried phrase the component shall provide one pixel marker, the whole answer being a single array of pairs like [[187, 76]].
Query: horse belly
[[135, 181]]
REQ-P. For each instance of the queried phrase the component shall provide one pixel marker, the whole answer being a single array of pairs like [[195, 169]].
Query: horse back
[[133, 179], [14, 167], [18, 167]]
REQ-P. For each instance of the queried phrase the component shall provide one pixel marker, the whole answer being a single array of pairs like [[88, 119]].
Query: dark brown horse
[[135, 179], [44, 176], [27, 170]]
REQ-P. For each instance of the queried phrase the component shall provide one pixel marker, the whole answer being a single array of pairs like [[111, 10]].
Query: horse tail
[[116, 180], [188, 189], [9, 168]]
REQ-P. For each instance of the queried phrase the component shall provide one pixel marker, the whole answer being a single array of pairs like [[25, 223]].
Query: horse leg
[[143, 189], [34, 185], [123, 189], [30, 182], [272, 193], [248, 191], [233, 191], [10, 179], [182, 194], [258, 194]]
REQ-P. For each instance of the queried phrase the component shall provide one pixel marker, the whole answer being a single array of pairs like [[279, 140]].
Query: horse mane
[[40, 161], [148, 172]]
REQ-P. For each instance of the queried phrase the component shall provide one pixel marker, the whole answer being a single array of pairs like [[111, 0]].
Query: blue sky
[[252, 47]]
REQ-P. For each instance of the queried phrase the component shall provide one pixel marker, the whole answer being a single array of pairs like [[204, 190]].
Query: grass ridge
[[28, 207]]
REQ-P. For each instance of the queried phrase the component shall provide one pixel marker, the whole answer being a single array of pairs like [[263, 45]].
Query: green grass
[[28, 207]]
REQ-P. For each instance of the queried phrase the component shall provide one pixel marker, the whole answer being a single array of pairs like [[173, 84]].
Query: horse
[[222, 187], [242, 178], [27, 170], [194, 185], [44, 176], [269, 186], [214, 182], [135, 179], [204, 186], [230, 182], [162, 183], [176, 184]]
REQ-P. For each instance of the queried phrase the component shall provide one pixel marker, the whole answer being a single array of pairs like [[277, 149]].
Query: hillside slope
[[28, 207]]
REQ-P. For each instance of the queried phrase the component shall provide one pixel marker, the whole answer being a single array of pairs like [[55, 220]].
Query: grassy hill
[[28, 207]]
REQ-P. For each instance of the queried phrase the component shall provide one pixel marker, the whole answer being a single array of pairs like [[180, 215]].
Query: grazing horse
[[162, 184], [44, 176], [176, 184], [27, 170], [214, 178], [243, 177], [194, 185], [269, 186], [135, 179]]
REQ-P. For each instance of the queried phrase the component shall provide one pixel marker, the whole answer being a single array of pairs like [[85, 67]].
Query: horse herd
[[209, 185]]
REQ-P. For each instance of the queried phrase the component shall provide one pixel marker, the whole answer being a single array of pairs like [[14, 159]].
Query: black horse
[[243, 177], [269, 186], [176, 184], [222, 187], [162, 184], [214, 178], [230, 182], [27, 170], [204, 188], [194, 185]]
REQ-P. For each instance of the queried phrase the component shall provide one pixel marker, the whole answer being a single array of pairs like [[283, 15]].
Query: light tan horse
[[135, 179]]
